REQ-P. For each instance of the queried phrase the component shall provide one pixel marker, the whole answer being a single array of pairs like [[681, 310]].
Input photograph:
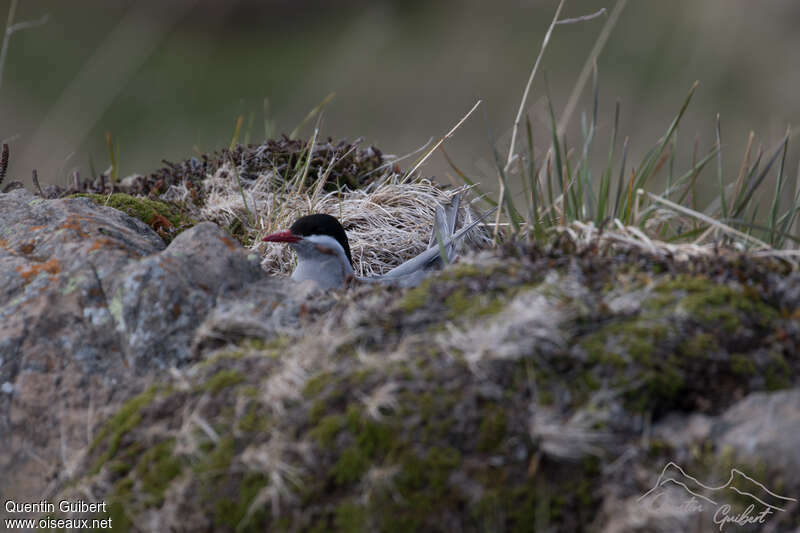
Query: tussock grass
[[648, 202]]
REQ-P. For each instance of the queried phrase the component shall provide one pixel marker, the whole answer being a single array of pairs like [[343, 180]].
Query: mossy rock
[[383, 426], [166, 220]]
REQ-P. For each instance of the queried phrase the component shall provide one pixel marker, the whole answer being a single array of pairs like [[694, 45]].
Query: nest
[[387, 222]]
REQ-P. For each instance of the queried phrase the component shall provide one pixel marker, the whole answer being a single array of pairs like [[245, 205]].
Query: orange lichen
[[74, 223], [229, 243], [99, 243], [27, 248], [52, 266]]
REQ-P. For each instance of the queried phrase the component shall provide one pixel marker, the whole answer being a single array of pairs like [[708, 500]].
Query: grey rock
[[157, 302], [91, 302], [763, 427], [755, 443], [59, 348]]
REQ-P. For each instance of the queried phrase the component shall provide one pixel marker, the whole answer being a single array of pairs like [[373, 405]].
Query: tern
[[323, 251]]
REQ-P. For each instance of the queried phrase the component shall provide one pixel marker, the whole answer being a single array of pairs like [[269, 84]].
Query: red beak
[[282, 236]]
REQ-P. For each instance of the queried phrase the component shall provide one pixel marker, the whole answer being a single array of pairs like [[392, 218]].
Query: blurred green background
[[169, 79]]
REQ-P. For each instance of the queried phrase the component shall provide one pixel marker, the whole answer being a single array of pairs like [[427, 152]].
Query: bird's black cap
[[321, 224]]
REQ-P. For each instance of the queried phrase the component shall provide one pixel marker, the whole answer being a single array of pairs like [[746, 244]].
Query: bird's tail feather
[[444, 226]]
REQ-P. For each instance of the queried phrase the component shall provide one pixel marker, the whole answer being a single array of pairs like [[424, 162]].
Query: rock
[[261, 310], [746, 455], [91, 302], [157, 302], [763, 427], [58, 343]]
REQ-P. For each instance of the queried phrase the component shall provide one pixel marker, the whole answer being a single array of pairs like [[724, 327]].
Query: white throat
[[322, 259]]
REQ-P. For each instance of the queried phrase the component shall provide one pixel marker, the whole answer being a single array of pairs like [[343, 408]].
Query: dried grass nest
[[387, 221]]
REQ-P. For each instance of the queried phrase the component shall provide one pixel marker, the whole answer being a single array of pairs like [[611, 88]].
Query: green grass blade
[[754, 184], [467, 179], [766, 230], [309, 156], [556, 144], [621, 179], [776, 199], [236, 129], [690, 176], [605, 178], [752, 172], [533, 182], [311, 114], [652, 161], [513, 215], [720, 182]]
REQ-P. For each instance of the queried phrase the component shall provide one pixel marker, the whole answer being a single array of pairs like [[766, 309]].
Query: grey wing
[[417, 266]]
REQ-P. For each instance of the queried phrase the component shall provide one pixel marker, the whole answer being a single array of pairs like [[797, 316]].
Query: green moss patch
[[166, 220], [126, 418]]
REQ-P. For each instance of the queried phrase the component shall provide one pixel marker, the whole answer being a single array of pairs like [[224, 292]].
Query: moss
[[631, 339], [254, 420], [373, 438], [350, 517], [273, 346], [127, 417], [415, 298], [157, 467], [317, 411], [218, 459], [462, 305], [221, 380], [492, 429], [124, 460], [371, 441], [154, 213], [328, 428], [317, 384], [636, 348], [121, 494], [778, 373], [742, 365], [350, 466], [219, 357], [418, 490], [699, 345], [249, 391], [713, 303], [648, 346], [366, 442], [662, 386], [560, 498], [232, 512], [362, 376], [461, 271], [434, 408]]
